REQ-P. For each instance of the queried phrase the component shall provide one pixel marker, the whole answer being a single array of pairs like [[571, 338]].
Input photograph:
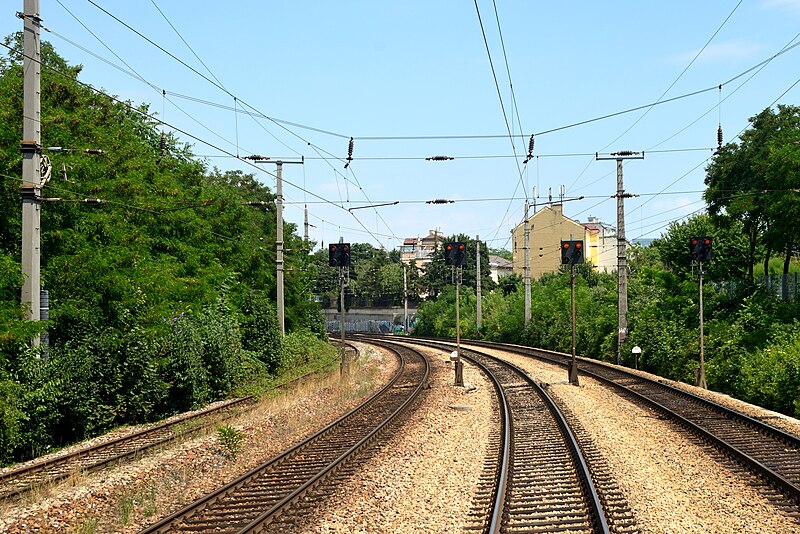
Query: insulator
[[350, 150], [530, 146], [163, 143], [719, 137]]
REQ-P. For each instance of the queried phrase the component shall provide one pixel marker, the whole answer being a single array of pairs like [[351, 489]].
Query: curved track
[[768, 452], [22, 479], [255, 500], [539, 480]]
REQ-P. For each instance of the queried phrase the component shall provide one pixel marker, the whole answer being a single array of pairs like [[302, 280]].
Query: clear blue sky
[[420, 69]]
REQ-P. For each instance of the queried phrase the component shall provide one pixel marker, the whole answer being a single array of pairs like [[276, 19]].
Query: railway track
[[17, 481], [768, 452], [538, 479], [276, 489], [48, 470]]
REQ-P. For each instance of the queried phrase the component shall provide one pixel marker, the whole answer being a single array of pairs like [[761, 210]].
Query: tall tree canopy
[[162, 296], [757, 183]]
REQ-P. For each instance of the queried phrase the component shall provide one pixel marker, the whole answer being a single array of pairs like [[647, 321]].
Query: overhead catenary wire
[[431, 137], [434, 137], [182, 131], [245, 111], [650, 108]]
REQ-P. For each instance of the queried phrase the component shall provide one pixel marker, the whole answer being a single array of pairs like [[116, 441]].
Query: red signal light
[[578, 244], [461, 247], [565, 245]]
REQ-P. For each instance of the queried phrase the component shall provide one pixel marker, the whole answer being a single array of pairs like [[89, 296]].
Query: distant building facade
[[499, 267], [421, 250], [548, 227], [601, 245]]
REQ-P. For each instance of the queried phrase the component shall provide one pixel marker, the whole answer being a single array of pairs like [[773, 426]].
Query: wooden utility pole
[[622, 258], [31, 163]]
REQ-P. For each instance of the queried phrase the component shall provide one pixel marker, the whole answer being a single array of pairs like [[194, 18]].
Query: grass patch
[[87, 527]]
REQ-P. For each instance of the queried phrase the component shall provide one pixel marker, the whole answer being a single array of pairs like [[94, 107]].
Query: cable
[[680, 75], [184, 42], [643, 115], [184, 132], [502, 105]]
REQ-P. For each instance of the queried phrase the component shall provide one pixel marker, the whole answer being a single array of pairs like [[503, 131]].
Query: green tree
[[754, 182]]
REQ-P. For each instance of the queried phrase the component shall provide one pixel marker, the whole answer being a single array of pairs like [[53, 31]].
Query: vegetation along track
[[541, 481], [253, 501], [38, 473], [770, 453]]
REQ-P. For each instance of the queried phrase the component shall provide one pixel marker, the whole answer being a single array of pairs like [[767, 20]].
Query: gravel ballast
[[423, 479]]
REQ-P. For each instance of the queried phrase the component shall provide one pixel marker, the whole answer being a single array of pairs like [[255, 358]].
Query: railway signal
[[455, 253], [700, 248], [339, 254], [572, 252]]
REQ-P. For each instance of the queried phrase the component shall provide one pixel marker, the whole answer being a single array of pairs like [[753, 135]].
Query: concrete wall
[[366, 319]]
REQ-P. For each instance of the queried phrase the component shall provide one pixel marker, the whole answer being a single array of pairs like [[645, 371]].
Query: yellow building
[[601, 245], [548, 227]]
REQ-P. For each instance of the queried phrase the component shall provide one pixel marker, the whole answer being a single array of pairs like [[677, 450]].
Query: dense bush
[[752, 339], [162, 297]]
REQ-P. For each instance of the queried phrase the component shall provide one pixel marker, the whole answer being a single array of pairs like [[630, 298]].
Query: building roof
[[410, 241], [433, 236], [500, 262]]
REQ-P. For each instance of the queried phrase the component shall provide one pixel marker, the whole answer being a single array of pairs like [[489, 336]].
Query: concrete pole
[[31, 163], [527, 267], [305, 224], [478, 310], [279, 246], [405, 300], [622, 260], [342, 283], [622, 266]]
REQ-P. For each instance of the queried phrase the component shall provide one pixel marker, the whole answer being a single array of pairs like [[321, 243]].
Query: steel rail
[[584, 473], [175, 519], [49, 469], [596, 369]]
